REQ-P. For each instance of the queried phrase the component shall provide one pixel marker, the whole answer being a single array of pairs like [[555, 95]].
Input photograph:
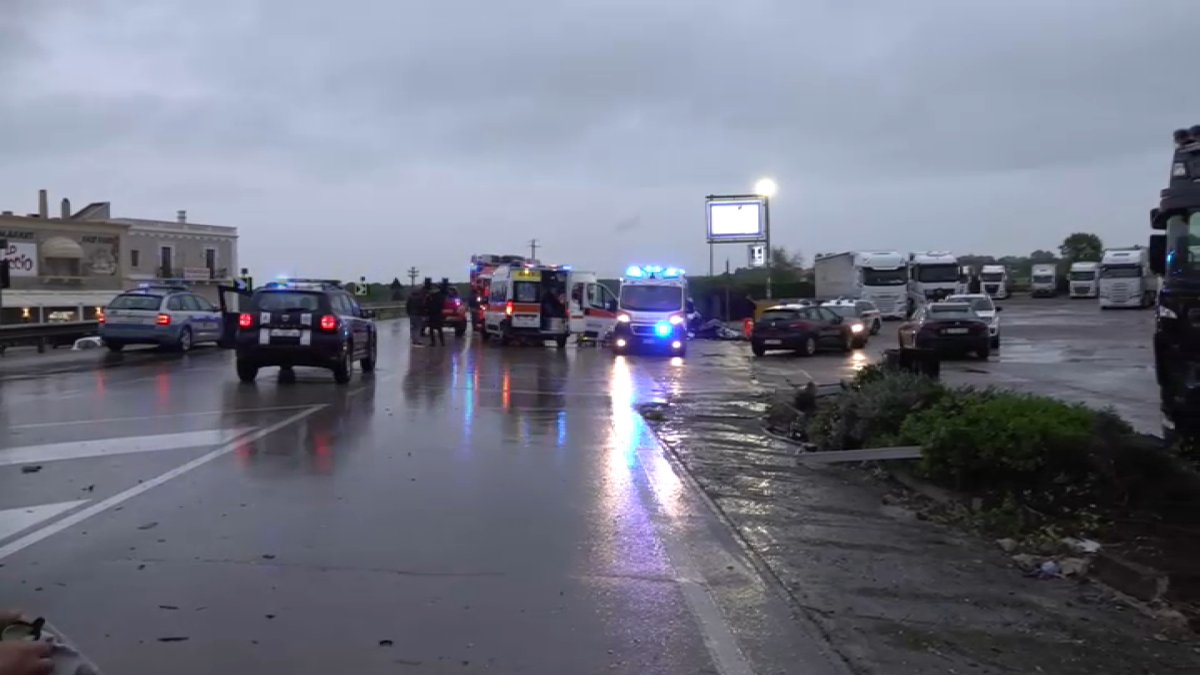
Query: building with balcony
[[65, 268]]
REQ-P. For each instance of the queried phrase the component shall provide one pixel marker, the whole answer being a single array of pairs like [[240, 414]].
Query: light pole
[[765, 188]]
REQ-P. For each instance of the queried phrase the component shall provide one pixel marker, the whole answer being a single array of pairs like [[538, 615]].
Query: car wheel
[[810, 346], [876, 327], [368, 361], [184, 344], [341, 371], [861, 343], [983, 353], [757, 348], [847, 343], [995, 342], [114, 346], [247, 371]]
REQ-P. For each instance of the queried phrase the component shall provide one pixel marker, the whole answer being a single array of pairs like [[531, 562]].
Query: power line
[[533, 247], [412, 275]]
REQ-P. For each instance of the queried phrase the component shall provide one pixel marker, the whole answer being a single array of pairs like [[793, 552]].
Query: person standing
[[416, 314], [435, 304]]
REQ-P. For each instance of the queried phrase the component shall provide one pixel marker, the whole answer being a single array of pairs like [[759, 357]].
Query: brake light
[[329, 323], [164, 320], [100, 318], [508, 308], [245, 321]]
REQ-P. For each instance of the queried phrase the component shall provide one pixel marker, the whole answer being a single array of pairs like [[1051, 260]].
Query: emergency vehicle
[[652, 310], [528, 302], [593, 308], [483, 266]]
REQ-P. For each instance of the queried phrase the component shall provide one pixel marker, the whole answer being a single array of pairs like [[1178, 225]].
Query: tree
[[1040, 256], [1082, 246]]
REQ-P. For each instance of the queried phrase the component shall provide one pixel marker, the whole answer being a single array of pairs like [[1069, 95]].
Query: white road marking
[[51, 452], [121, 497], [138, 418], [13, 521]]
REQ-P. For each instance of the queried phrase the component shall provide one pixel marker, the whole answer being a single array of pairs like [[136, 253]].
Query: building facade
[[67, 268]]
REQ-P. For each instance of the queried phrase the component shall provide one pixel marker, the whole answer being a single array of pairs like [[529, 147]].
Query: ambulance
[[593, 308], [652, 311], [527, 302], [481, 269]]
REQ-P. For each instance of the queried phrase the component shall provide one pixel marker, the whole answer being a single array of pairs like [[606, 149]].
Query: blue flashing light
[[635, 272], [662, 329]]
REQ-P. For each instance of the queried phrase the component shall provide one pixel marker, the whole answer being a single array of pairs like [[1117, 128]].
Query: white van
[[528, 302], [652, 311]]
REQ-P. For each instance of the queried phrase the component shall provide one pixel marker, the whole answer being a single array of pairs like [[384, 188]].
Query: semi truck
[[878, 276], [1081, 279], [994, 280], [932, 275], [1174, 253], [1043, 281], [1126, 279]]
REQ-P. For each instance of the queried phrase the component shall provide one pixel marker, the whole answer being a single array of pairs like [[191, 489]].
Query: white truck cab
[[932, 275], [884, 277], [994, 280], [1043, 282], [652, 311], [1082, 280], [1126, 279]]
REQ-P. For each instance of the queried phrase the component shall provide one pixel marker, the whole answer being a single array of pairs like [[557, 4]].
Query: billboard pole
[[767, 235]]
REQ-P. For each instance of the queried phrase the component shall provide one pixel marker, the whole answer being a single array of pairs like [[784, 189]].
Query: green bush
[[872, 409], [991, 439]]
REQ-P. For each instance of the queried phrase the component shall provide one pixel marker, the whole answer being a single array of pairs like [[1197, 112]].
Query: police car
[[652, 311], [305, 322], [168, 315]]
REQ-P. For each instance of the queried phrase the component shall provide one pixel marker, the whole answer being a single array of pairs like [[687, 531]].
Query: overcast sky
[[366, 136]]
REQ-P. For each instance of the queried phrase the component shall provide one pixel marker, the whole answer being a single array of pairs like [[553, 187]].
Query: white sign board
[[196, 273], [733, 219], [22, 258], [758, 255]]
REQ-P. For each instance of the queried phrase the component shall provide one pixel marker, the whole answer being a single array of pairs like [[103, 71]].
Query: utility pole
[[412, 275], [533, 247]]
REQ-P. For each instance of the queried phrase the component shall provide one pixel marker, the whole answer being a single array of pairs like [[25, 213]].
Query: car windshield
[[136, 301], [874, 277], [287, 301], [843, 310], [979, 304], [951, 312], [1183, 246], [638, 298], [1120, 271], [1083, 276], [1043, 278], [937, 273], [992, 276]]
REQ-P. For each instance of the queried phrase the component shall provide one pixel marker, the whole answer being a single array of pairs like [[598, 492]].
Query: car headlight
[[1166, 313], [676, 319], [622, 318], [856, 328]]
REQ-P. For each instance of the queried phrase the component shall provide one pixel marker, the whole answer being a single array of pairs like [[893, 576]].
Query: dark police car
[[303, 322]]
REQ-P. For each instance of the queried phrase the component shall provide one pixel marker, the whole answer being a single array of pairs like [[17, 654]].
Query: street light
[[765, 188]]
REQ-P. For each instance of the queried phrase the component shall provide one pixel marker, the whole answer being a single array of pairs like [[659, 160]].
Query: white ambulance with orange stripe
[[528, 302]]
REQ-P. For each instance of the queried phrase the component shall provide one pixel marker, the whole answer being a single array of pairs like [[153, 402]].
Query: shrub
[[991, 439], [870, 412]]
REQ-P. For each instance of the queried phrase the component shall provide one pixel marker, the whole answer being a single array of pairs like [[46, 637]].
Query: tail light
[[508, 308], [329, 323], [163, 320], [245, 321], [100, 318]]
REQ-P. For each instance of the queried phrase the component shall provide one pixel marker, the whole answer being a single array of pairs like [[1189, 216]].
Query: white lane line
[[665, 486], [121, 497], [13, 521], [123, 445], [139, 418]]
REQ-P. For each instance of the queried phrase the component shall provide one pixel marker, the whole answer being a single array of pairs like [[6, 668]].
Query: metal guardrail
[[42, 334]]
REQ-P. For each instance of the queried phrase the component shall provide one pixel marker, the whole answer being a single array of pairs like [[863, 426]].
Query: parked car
[[947, 328], [986, 309], [803, 329]]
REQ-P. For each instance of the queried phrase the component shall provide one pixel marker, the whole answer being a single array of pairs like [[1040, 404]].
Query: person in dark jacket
[[435, 303], [416, 314]]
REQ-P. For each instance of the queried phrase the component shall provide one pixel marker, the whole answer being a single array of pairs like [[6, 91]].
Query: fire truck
[[483, 267]]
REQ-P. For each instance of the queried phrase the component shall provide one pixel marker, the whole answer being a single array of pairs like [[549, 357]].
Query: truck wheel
[[247, 371]]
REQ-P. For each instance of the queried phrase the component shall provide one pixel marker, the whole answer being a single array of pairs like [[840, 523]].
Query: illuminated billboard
[[736, 219]]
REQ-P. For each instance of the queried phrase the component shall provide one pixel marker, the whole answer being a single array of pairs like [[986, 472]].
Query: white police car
[[170, 316]]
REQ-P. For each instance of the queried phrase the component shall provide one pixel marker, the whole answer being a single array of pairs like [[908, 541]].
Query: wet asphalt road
[[466, 509]]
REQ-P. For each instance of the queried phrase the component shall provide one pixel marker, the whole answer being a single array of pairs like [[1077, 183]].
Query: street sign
[[758, 255]]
